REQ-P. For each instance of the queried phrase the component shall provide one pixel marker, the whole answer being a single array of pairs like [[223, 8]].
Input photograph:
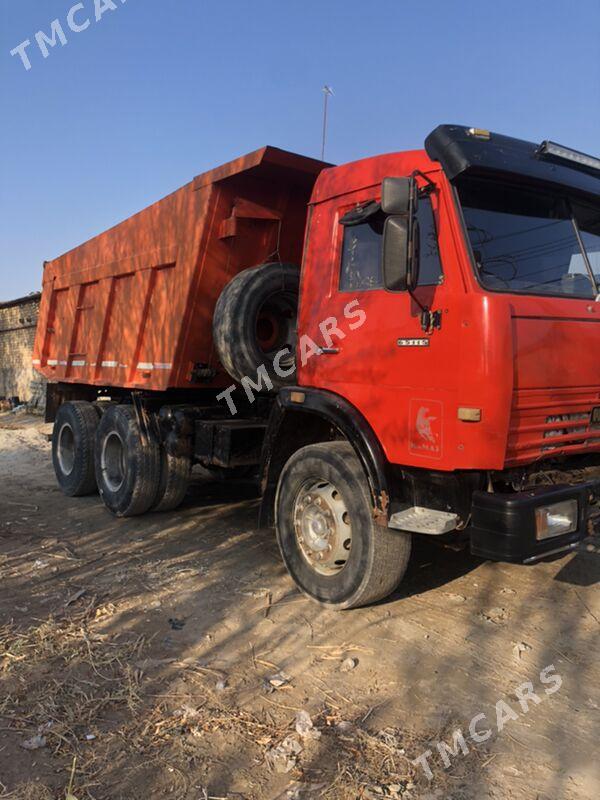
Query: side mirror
[[396, 195], [399, 198], [396, 253]]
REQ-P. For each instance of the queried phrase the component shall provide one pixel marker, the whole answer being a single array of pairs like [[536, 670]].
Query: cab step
[[423, 520]]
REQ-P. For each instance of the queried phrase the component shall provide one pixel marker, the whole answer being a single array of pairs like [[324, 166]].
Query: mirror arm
[[425, 312], [430, 185]]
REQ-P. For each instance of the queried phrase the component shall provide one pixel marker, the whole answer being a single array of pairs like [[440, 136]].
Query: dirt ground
[[169, 656]]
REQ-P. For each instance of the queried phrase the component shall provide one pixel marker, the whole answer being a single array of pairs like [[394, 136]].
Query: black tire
[[73, 442], [375, 558], [127, 463], [255, 319], [174, 481]]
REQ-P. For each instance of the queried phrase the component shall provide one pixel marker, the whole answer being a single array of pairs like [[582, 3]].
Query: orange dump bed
[[133, 307]]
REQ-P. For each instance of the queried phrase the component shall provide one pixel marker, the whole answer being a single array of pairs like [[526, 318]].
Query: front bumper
[[503, 526]]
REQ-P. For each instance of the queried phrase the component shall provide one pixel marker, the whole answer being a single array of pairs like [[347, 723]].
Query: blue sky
[[159, 90]]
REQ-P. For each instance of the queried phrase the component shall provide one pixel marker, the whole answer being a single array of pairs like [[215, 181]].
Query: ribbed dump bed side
[[133, 306]]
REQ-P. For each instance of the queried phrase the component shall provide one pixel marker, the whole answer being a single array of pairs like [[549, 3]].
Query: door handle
[[328, 351]]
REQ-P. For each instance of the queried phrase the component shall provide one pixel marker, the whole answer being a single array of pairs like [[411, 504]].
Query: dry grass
[[30, 791], [368, 764], [68, 681], [58, 680]]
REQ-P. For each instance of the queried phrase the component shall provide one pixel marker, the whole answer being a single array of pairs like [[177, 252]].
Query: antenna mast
[[327, 93]]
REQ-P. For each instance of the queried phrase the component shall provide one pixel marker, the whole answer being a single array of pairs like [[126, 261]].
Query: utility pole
[[327, 93]]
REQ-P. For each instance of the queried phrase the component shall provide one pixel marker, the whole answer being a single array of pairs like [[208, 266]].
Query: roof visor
[[460, 151]]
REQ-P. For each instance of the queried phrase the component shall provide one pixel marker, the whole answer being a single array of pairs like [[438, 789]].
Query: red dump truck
[[405, 345]]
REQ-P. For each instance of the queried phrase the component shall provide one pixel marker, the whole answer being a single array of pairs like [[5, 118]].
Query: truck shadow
[[432, 566], [577, 572]]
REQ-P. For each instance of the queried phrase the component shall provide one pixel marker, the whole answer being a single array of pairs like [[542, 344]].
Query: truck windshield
[[531, 241]]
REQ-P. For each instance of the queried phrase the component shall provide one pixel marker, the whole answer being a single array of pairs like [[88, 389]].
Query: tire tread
[[174, 481]]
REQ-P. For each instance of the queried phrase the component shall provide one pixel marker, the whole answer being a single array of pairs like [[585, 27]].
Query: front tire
[[127, 463], [73, 442], [328, 538]]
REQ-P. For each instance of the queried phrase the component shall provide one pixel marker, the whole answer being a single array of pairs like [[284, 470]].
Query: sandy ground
[[170, 655]]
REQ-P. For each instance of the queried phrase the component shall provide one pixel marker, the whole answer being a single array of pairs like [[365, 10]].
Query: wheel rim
[[112, 461], [267, 331], [276, 327], [322, 527], [66, 449]]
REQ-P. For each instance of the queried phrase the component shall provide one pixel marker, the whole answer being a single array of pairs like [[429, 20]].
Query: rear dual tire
[[174, 481], [73, 444], [134, 473], [127, 463], [111, 454]]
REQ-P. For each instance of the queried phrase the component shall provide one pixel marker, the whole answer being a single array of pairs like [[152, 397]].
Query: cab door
[[398, 371]]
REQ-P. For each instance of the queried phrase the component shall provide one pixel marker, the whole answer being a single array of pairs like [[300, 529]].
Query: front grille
[[582, 422], [551, 422]]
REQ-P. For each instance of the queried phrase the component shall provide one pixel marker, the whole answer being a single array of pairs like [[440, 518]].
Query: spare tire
[[255, 323]]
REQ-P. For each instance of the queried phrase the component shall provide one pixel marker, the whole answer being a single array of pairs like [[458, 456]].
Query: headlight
[[556, 519]]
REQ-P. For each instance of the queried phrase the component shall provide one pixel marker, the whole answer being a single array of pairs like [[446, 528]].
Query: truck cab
[[475, 371]]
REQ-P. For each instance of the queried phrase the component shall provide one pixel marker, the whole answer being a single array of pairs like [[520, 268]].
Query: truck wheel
[[73, 441], [255, 321], [174, 481], [127, 463], [329, 541]]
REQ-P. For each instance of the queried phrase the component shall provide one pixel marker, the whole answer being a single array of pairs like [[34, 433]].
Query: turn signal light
[[469, 414]]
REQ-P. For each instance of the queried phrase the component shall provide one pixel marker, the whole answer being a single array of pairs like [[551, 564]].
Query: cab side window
[[362, 249], [430, 266], [361, 255]]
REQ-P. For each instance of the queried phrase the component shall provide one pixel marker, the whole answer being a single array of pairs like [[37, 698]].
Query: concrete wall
[[18, 320]]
